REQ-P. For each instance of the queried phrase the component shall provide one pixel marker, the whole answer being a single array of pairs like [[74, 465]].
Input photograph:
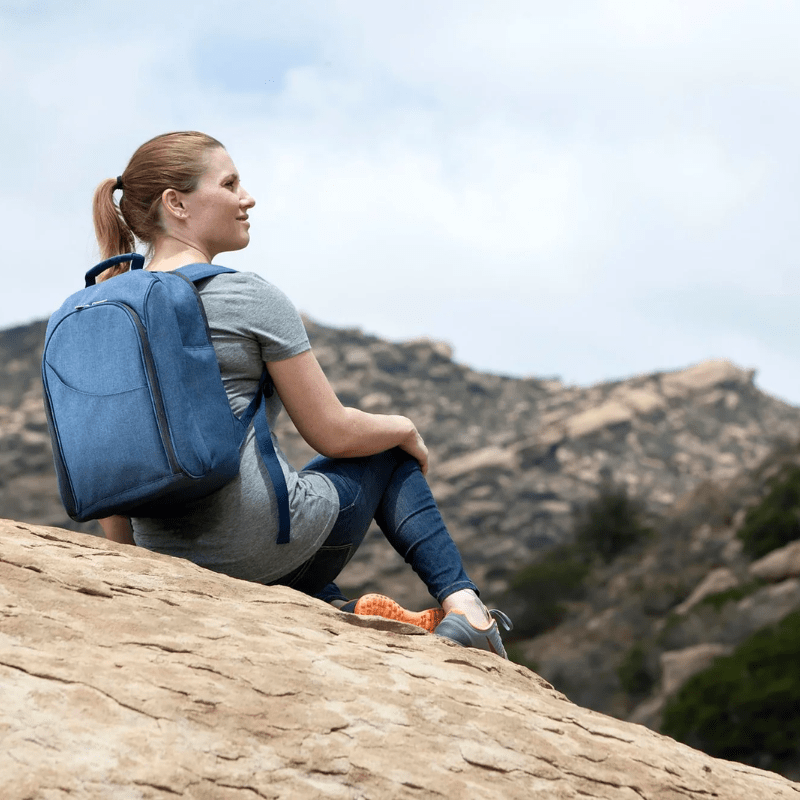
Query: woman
[[182, 197]]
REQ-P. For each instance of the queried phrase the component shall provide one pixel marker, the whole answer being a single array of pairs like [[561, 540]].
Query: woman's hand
[[414, 445]]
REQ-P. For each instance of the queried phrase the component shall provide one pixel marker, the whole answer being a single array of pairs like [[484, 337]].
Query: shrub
[[720, 599], [634, 676], [746, 706], [543, 586], [610, 524], [775, 521]]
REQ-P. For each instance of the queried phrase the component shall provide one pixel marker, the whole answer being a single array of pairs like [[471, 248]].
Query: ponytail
[[170, 161], [113, 234]]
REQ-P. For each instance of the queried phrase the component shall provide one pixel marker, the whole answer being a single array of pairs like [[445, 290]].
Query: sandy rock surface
[[705, 375], [718, 580], [125, 674], [678, 666], [779, 564]]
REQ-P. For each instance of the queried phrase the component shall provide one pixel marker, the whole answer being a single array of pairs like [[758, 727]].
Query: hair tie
[[118, 184]]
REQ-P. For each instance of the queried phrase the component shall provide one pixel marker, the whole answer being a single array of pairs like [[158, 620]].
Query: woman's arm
[[117, 529], [331, 428]]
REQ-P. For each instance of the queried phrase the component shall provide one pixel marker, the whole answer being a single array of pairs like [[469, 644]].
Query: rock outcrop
[[779, 564], [669, 606], [125, 674], [718, 580]]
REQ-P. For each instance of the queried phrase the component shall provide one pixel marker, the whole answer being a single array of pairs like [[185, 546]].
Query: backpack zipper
[[158, 400], [61, 467]]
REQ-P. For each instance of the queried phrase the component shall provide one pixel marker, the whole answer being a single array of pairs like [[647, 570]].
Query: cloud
[[574, 188]]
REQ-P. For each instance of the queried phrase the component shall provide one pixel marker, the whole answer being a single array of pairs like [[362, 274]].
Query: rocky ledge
[[131, 675]]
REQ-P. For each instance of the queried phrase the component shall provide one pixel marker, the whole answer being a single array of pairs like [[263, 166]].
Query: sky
[[588, 189]]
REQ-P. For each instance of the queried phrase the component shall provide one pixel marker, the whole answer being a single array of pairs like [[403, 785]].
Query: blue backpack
[[137, 411]]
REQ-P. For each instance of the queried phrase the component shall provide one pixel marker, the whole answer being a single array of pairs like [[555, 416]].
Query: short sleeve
[[247, 306]]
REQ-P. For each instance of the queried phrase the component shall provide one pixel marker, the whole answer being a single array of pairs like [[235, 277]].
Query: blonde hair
[[170, 161]]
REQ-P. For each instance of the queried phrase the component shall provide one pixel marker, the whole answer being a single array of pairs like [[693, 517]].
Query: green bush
[[633, 673], [775, 521], [746, 706], [610, 524], [606, 527], [672, 622], [543, 586], [720, 599]]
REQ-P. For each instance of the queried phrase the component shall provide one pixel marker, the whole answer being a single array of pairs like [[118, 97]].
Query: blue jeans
[[390, 488]]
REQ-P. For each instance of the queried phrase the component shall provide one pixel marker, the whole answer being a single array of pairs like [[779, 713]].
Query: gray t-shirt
[[234, 529]]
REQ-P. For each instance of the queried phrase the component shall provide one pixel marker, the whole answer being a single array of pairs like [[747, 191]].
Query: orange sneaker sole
[[377, 605]]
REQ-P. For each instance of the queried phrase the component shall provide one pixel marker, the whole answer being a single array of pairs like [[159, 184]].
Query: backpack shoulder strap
[[270, 459], [258, 415], [255, 414], [196, 272]]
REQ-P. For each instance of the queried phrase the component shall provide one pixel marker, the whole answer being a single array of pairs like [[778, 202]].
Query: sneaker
[[457, 628], [378, 605]]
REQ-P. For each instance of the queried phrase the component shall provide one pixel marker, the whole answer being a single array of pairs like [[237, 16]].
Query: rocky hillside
[[512, 459], [128, 674], [665, 609]]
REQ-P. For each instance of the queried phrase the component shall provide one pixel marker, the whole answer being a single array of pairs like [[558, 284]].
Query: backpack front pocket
[[110, 431]]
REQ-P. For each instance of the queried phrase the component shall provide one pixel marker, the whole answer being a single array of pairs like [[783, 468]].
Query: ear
[[172, 203]]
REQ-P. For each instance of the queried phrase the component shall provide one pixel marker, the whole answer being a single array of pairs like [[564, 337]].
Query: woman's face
[[216, 218]]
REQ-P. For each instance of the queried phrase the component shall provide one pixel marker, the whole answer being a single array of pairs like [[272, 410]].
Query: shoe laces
[[502, 618]]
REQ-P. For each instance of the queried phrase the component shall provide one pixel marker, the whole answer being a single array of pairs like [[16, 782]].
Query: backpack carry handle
[[136, 259]]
